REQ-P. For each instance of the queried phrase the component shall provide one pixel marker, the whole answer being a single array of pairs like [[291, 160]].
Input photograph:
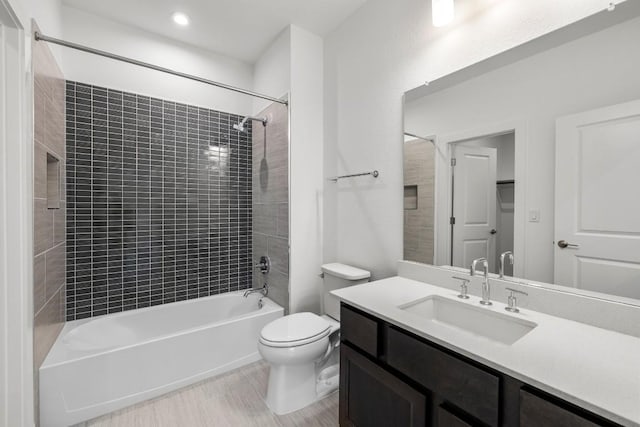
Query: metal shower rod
[[41, 37]]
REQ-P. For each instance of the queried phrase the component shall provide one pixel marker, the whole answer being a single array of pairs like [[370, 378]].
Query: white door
[[4, 306], [474, 205], [597, 217]]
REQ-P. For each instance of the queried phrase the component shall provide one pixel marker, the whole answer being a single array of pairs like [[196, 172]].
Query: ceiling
[[241, 29]]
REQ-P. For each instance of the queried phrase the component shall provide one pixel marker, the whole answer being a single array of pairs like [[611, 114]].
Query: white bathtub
[[102, 364]]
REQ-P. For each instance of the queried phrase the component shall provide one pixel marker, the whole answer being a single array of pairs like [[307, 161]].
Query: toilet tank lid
[[345, 271]]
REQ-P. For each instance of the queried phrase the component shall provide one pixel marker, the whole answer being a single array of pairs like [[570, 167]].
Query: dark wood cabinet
[[391, 377], [463, 385], [371, 396], [360, 330], [447, 418], [536, 410]]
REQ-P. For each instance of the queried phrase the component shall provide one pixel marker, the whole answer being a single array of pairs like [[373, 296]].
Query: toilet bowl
[[295, 347], [301, 348]]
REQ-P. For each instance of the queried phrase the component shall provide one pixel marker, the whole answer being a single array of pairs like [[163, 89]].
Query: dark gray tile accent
[[159, 202]]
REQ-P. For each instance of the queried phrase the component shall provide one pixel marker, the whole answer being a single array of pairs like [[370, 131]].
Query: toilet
[[302, 348]]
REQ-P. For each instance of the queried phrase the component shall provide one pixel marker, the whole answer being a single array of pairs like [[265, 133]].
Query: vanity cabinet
[[391, 377], [372, 396]]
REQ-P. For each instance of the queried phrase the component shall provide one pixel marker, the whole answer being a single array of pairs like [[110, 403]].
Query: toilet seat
[[295, 330]]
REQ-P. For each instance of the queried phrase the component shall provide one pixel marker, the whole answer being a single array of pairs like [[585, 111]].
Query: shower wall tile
[[55, 270], [39, 277], [419, 167], [159, 202], [271, 201], [278, 249], [48, 222], [282, 220]]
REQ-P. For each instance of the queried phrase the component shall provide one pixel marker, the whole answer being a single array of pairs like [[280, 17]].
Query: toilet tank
[[338, 276]]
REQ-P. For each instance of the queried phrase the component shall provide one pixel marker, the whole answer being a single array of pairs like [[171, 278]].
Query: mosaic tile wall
[[159, 205]]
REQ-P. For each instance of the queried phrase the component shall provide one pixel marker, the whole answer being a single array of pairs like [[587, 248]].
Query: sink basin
[[479, 321]]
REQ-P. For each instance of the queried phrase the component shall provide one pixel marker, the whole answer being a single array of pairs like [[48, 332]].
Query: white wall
[[272, 72], [91, 30], [378, 53], [293, 64], [48, 16], [305, 176], [16, 231]]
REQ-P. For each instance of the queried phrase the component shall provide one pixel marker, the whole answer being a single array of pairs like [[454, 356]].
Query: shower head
[[240, 127]]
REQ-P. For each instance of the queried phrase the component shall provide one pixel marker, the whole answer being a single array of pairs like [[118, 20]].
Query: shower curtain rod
[[420, 137], [41, 37]]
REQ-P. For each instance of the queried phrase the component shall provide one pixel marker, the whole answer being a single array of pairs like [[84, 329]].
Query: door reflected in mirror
[[483, 187]]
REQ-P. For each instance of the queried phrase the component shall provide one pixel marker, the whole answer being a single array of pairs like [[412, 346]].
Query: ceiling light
[[180, 19], [442, 12]]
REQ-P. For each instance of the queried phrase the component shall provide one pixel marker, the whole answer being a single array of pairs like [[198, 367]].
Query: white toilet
[[302, 347]]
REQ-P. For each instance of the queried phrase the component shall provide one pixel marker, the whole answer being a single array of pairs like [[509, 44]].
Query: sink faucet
[[507, 254], [486, 292], [264, 290]]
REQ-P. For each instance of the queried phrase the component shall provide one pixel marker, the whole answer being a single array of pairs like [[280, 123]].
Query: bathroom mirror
[[535, 151]]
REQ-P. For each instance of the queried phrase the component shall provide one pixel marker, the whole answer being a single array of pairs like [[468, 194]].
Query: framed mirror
[[535, 151]]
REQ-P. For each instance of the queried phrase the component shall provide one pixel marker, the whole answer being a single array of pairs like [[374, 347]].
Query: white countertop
[[594, 368]]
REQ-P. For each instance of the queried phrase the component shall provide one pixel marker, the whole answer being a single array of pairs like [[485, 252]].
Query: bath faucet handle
[[464, 286], [264, 264], [512, 301]]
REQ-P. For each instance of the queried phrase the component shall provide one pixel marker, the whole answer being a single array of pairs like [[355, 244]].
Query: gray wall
[[271, 201], [48, 205]]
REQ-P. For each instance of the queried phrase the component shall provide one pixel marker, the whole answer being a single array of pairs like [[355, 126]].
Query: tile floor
[[232, 399]]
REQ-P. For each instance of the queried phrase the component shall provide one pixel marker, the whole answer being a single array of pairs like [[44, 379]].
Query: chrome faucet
[[264, 290], [486, 291], [507, 254]]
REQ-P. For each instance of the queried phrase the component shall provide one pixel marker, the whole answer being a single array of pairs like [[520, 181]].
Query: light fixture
[[442, 12], [180, 19]]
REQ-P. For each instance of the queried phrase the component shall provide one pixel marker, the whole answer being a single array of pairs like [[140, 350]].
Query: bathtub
[[106, 363]]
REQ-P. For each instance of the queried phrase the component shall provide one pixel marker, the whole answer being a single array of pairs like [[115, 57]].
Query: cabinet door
[[449, 419], [372, 397], [473, 390]]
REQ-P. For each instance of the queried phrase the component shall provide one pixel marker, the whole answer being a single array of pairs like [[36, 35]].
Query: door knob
[[493, 231], [564, 244]]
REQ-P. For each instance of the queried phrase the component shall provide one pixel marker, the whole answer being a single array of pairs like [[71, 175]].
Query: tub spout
[[264, 290]]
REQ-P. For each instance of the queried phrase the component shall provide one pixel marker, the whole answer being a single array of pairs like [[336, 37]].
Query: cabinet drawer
[[359, 329], [471, 389], [537, 411]]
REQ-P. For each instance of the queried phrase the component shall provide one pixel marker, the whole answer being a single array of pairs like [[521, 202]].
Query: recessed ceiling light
[[442, 12], [180, 19]]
